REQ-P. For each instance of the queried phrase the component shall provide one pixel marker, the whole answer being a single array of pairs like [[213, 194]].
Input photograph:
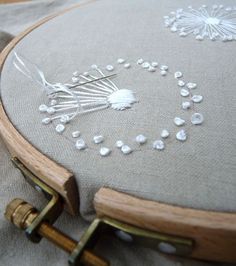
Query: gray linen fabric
[[15, 249], [188, 183], [199, 173], [14, 18]]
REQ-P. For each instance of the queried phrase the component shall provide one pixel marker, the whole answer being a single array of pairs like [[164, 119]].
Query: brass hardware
[[23, 215], [38, 225], [131, 234]]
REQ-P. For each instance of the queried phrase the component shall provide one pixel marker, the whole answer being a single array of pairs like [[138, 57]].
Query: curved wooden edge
[[44, 168], [214, 233]]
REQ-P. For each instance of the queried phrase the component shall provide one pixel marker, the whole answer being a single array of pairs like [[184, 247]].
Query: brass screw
[[22, 214]]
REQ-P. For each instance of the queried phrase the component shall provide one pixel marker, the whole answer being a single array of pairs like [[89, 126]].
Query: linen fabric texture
[[199, 173]]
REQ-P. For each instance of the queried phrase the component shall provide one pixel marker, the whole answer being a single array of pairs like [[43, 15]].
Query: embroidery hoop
[[158, 217]]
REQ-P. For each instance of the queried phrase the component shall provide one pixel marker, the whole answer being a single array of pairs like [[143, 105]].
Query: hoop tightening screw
[[22, 214]]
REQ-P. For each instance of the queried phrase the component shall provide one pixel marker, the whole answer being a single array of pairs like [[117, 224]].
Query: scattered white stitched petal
[[80, 144], [76, 134], [127, 65], [46, 120], [126, 149], [154, 64], [141, 139], [191, 85], [104, 151], [158, 145], [51, 110], [184, 92], [178, 74], [98, 139], [53, 102], [43, 108], [173, 29], [76, 74], [64, 119], [60, 128], [181, 135], [228, 8], [182, 34], [181, 83], [199, 37], [179, 121], [167, 23], [109, 68], [197, 119], [164, 67], [140, 61], [75, 79], [119, 143], [120, 61], [151, 69], [145, 65], [165, 133], [94, 66], [197, 98], [186, 105], [163, 72]]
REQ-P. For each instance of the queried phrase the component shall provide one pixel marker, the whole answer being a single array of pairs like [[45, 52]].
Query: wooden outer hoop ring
[[44, 168], [214, 233]]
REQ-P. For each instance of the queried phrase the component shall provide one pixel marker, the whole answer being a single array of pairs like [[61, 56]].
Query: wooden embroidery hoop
[[213, 233]]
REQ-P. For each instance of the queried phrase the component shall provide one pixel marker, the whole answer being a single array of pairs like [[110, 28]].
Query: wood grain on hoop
[[214, 233], [44, 168]]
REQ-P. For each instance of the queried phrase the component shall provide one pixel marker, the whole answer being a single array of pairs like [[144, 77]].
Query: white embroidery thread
[[215, 23], [93, 92]]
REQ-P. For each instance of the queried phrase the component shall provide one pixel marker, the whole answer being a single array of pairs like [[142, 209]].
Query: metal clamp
[[38, 225]]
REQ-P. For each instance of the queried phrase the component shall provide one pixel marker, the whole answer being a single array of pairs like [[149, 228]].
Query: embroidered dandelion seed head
[[214, 22], [95, 90]]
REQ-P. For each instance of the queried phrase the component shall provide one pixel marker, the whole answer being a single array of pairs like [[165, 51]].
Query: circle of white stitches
[[214, 22], [94, 90]]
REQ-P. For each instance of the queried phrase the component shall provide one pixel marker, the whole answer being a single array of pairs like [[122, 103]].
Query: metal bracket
[[41, 223], [132, 235], [52, 210]]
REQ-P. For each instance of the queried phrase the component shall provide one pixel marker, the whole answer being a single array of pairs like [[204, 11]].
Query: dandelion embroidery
[[95, 90], [91, 91], [215, 23]]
